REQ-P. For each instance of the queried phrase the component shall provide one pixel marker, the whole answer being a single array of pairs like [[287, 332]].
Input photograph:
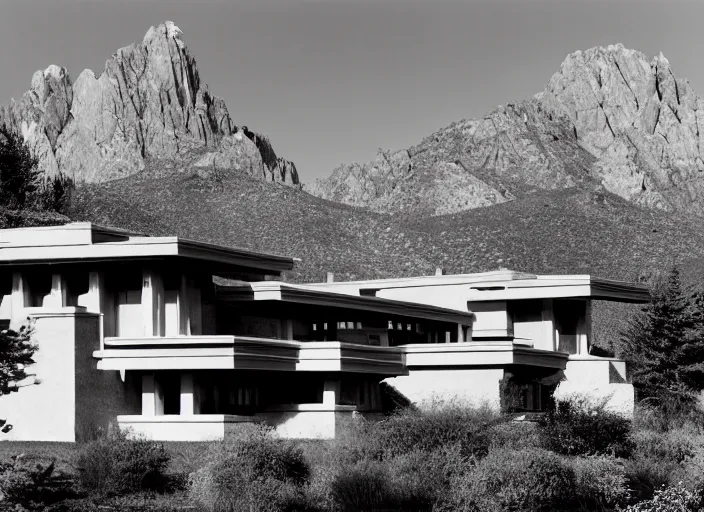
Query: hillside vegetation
[[564, 231]]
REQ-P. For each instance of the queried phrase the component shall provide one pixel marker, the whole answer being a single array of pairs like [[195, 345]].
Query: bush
[[426, 431], [529, 480], [116, 464], [646, 475], [573, 430], [600, 482], [675, 498], [370, 485], [254, 471]]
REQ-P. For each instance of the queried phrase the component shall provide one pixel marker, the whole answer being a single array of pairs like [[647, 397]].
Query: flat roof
[[302, 294], [509, 284], [83, 241]]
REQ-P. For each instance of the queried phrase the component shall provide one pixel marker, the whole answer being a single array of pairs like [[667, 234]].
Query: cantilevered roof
[[507, 285], [83, 241], [302, 294]]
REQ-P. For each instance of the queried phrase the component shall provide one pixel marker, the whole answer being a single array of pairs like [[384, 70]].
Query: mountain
[[570, 230], [149, 103], [609, 118]]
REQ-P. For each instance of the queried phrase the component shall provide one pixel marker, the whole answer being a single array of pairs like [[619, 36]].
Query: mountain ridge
[[148, 103], [609, 118]]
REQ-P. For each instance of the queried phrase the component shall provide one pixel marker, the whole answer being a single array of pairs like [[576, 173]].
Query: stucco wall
[[475, 386], [100, 394], [596, 382], [45, 412]]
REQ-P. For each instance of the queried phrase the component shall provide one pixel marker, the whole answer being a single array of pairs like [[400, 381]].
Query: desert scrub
[[574, 430], [253, 471], [675, 498], [429, 430], [530, 480], [116, 464], [601, 483]]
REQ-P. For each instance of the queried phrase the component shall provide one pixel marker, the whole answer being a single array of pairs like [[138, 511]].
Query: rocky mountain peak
[[148, 104], [610, 117]]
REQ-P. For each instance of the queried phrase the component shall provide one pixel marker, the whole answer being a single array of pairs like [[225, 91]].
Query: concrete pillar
[[460, 333], [153, 303], [148, 395], [57, 294], [184, 320], [188, 397], [584, 329], [331, 392], [20, 299], [288, 329], [549, 338]]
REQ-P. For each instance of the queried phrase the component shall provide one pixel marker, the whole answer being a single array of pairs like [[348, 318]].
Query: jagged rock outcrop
[[609, 118], [469, 164], [149, 103], [639, 120]]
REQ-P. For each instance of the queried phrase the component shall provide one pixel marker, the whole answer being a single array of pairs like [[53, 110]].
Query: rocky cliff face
[[609, 118], [149, 103]]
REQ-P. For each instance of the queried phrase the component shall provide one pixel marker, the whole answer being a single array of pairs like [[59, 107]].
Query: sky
[[332, 81]]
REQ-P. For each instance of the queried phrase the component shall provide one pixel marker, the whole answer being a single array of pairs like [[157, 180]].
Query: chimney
[[439, 271], [330, 277]]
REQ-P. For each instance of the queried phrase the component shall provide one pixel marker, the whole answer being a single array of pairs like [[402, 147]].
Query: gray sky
[[332, 81]]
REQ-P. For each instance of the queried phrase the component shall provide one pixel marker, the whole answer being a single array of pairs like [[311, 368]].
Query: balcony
[[246, 353]]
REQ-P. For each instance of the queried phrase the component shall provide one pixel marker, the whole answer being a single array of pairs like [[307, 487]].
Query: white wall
[[46, 412], [473, 386]]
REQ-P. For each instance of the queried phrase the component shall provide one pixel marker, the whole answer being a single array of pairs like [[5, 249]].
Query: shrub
[[429, 430], [673, 445], [370, 485], [600, 482], [573, 430], [529, 480], [116, 464], [675, 498], [254, 471], [646, 475]]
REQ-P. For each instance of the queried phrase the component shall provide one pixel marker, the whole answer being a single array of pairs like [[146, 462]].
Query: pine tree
[[664, 344], [19, 175]]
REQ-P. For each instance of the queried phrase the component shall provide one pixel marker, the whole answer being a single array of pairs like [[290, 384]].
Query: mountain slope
[[148, 103], [609, 117], [571, 230]]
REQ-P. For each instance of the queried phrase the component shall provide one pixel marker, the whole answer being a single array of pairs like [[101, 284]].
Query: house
[[183, 340], [527, 326]]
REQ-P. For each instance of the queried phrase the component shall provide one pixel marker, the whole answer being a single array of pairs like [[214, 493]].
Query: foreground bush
[[528, 480], [572, 430], [675, 498], [601, 482], [116, 464], [254, 471], [410, 430]]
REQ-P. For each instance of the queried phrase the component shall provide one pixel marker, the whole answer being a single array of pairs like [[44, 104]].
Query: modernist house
[[182, 340], [527, 326]]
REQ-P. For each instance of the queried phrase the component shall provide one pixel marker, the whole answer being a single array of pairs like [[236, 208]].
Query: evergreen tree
[[16, 353], [664, 343], [19, 175]]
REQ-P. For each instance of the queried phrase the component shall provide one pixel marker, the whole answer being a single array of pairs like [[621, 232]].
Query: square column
[[189, 402], [148, 395], [331, 392], [461, 333], [184, 321], [20, 299], [58, 293], [153, 307], [152, 396], [549, 341]]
